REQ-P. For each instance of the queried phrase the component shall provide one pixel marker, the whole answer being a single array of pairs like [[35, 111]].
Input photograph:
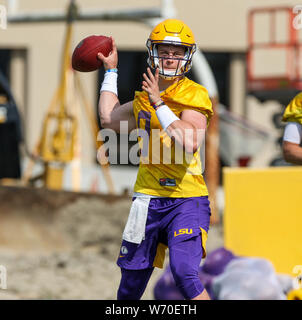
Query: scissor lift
[[274, 86]]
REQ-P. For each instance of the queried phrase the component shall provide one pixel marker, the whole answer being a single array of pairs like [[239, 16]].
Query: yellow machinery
[[58, 144]]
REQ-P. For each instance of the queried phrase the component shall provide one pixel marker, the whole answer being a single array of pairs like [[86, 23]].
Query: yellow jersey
[[164, 171], [293, 111]]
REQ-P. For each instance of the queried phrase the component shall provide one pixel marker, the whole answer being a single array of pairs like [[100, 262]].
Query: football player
[[170, 207], [292, 137]]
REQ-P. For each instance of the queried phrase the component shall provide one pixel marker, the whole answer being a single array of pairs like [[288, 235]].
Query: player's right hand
[[111, 61], [150, 85]]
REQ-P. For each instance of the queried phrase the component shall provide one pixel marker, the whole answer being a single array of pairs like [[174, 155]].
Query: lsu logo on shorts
[[182, 231]]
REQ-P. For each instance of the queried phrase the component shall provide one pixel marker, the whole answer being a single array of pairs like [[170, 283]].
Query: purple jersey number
[[145, 115]]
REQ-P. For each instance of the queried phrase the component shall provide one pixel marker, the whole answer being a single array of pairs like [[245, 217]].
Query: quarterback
[[170, 207]]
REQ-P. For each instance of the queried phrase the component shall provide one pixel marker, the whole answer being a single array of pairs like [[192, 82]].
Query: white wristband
[[110, 82], [165, 116]]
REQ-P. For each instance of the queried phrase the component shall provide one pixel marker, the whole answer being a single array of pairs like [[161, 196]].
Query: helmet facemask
[[184, 63]]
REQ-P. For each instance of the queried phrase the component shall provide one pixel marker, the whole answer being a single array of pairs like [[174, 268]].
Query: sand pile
[[58, 245]]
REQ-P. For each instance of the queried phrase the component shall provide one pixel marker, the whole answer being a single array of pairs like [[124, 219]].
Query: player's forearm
[[108, 97], [292, 153], [186, 135], [294, 158], [107, 103]]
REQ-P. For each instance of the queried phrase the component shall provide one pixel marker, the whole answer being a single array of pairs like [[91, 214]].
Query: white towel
[[136, 224]]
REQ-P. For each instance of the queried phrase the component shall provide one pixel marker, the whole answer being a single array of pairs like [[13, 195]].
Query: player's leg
[[136, 260], [133, 283], [185, 258], [187, 233]]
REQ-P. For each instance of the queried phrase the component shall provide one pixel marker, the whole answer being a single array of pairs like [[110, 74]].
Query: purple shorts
[[169, 222]]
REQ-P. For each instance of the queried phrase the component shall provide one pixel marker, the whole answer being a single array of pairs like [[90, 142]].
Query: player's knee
[[184, 261], [187, 280], [183, 272]]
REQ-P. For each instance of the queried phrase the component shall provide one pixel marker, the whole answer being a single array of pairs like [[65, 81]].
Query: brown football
[[84, 57]]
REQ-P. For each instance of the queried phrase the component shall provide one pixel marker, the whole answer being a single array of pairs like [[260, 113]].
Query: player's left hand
[[150, 85]]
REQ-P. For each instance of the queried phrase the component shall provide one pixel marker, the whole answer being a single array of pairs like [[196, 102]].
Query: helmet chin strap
[[168, 77]]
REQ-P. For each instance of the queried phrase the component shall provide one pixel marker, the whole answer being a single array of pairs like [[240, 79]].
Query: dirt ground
[[62, 245]]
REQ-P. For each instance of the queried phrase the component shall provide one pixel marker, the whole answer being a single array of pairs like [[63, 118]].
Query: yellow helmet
[[295, 294], [174, 32]]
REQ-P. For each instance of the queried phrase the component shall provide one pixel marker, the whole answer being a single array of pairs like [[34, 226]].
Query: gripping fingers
[[114, 48], [100, 56]]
